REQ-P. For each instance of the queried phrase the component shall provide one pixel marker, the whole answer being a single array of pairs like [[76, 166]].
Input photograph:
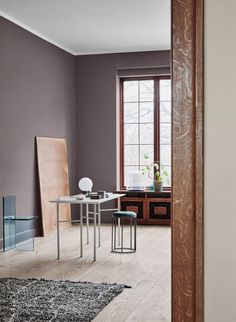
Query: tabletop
[[74, 200]]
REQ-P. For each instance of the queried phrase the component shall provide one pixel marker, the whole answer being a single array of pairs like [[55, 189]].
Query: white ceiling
[[94, 26]]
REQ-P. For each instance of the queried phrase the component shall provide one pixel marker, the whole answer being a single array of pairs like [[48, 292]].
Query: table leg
[[112, 224], [81, 230], [58, 233], [94, 232], [87, 222], [99, 225]]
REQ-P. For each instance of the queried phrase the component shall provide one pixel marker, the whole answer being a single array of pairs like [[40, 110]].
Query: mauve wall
[[37, 98], [96, 89]]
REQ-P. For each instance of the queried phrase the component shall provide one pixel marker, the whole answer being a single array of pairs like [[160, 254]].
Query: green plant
[[154, 170]]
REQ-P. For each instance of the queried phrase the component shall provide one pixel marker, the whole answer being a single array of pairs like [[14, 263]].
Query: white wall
[[220, 160]]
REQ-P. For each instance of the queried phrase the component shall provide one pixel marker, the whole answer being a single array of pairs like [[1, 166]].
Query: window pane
[[165, 151], [148, 151], [131, 112], [131, 91], [165, 90], [127, 169], [131, 155], [146, 134], [146, 90], [131, 133], [165, 112], [165, 133], [166, 179], [146, 112]]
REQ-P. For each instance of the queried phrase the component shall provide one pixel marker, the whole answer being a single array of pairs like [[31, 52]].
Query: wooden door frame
[[187, 160]]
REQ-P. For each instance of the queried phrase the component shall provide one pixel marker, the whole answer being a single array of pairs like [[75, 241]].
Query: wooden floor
[[147, 271]]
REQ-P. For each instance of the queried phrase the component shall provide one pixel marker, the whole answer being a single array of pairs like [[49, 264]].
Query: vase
[[158, 185]]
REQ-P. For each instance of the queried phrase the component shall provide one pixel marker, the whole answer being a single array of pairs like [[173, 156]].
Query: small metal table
[[96, 213]]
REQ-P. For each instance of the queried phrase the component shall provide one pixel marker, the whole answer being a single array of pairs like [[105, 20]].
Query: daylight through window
[[146, 126]]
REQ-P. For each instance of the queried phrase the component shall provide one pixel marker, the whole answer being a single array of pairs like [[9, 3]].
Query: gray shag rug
[[34, 300]]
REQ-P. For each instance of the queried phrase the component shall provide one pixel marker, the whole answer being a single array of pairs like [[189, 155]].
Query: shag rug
[[33, 300]]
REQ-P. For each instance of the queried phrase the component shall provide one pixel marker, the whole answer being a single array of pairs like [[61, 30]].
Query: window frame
[[156, 144]]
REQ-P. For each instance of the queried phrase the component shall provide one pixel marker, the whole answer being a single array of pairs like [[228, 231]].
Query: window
[[145, 125]]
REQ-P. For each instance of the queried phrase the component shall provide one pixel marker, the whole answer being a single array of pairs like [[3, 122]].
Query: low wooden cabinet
[[152, 207]]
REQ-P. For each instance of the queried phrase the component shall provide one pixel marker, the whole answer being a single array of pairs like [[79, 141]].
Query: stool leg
[[119, 231], [131, 222], [114, 234], [135, 233]]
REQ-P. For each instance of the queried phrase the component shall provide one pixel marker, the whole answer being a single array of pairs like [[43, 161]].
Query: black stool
[[131, 218]]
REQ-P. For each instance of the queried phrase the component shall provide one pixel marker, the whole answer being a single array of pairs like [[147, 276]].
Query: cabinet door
[[159, 210], [133, 205]]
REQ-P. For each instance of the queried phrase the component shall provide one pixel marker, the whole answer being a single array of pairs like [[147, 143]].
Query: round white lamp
[[85, 184]]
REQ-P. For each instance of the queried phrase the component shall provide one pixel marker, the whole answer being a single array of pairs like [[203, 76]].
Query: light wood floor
[[147, 271]]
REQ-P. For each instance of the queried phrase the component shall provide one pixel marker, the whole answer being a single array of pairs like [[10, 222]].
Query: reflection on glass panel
[[146, 150], [131, 91], [146, 134], [165, 112], [131, 133], [165, 154], [131, 155], [165, 133], [146, 90], [131, 112], [127, 169], [165, 90], [146, 112], [9, 233], [166, 179]]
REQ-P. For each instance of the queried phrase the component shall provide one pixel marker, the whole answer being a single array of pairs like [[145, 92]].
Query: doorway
[[187, 219]]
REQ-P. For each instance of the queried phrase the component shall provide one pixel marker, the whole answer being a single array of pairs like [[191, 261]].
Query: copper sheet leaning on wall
[[53, 180]]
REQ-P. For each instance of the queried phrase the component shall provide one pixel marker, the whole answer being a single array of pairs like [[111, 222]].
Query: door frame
[[187, 160]]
